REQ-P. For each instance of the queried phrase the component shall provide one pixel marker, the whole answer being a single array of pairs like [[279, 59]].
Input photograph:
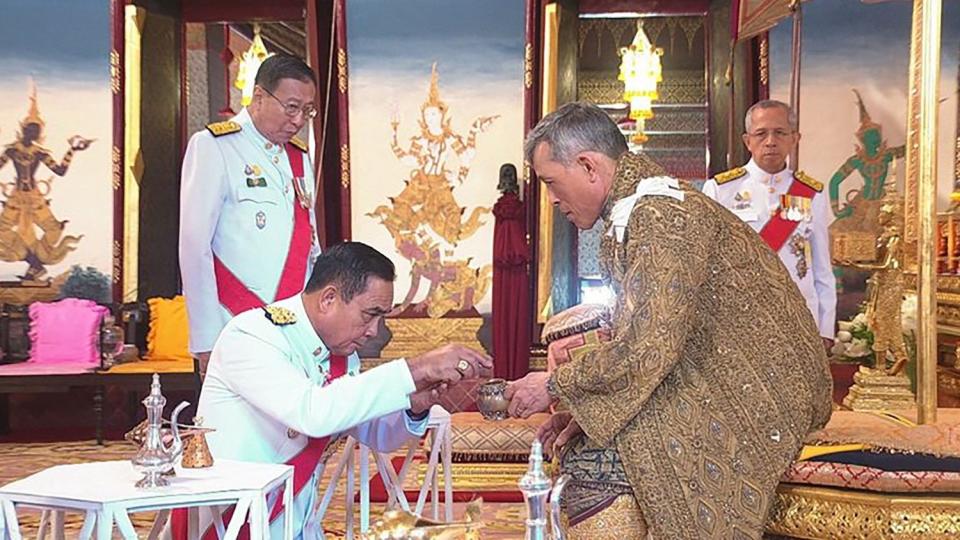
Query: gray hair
[[573, 128], [770, 104]]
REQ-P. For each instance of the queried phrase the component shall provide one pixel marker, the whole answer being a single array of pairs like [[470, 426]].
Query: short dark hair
[[348, 265], [283, 66]]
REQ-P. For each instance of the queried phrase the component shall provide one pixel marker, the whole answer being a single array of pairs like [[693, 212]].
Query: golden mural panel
[[426, 221], [413, 336]]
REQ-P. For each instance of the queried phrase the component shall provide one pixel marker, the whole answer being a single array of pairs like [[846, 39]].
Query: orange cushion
[[168, 335]]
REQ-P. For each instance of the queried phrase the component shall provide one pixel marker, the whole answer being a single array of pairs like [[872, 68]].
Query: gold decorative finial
[[865, 121], [433, 97], [33, 114]]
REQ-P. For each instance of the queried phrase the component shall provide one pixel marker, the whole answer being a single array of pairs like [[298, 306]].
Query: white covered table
[[105, 492]]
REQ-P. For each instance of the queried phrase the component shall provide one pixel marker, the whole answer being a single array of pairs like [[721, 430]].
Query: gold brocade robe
[[715, 372]]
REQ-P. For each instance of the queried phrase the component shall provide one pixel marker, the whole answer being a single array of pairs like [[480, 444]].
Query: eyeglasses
[[777, 134], [292, 109]]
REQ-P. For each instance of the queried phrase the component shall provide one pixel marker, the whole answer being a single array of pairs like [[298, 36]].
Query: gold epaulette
[[223, 128], [808, 181], [279, 316], [299, 144], [729, 176]]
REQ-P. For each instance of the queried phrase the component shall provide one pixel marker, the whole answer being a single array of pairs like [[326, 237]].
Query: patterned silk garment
[[715, 373]]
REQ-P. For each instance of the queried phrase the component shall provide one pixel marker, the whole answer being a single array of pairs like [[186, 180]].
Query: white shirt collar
[[756, 172], [307, 334], [246, 121]]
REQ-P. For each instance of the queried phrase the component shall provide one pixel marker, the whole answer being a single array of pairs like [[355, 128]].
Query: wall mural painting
[[426, 216], [27, 209], [436, 106], [55, 156]]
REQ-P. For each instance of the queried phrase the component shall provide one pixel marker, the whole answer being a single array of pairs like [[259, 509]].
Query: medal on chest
[[800, 247], [796, 208], [302, 188], [742, 199]]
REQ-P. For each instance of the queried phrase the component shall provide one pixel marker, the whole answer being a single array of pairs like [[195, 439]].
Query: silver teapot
[[538, 493], [155, 458]]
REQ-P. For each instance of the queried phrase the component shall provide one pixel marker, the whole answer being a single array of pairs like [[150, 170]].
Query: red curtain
[[511, 289]]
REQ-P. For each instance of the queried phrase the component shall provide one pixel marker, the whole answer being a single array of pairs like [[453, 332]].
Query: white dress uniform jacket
[[754, 196], [236, 201], [265, 394]]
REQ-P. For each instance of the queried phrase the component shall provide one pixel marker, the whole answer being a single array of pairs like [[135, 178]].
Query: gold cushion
[[476, 439], [168, 335]]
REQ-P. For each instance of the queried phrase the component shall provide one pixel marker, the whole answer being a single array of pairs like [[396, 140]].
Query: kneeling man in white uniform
[[284, 380]]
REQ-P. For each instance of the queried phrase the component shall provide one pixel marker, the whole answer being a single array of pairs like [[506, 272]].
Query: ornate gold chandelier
[[640, 72], [249, 64]]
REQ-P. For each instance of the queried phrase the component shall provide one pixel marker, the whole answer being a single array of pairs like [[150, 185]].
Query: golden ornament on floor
[[399, 525], [875, 390], [196, 453]]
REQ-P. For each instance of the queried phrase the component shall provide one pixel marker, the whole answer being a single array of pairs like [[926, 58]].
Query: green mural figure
[[872, 159]]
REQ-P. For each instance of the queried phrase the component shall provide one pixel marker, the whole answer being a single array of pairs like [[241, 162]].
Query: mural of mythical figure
[[872, 159], [426, 215], [27, 207]]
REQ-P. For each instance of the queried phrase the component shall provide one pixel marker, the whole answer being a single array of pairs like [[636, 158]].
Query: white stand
[[440, 434]]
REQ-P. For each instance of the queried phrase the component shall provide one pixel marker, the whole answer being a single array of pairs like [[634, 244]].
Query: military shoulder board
[[296, 141], [729, 176], [808, 181], [218, 129], [279, 316]]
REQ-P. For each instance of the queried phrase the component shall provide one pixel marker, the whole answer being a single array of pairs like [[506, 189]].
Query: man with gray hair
[[787, 208], [681, 425]]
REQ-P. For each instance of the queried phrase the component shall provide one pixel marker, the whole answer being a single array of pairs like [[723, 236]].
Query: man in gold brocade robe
[[681, 425]]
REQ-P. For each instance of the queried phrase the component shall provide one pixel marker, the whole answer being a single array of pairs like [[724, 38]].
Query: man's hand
[[528, 395], [448, 364], [557, 432], [78, 143], [420, 402], [203, 359], [827, 344]]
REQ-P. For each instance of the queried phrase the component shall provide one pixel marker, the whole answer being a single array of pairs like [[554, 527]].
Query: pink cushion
[[66, 331]]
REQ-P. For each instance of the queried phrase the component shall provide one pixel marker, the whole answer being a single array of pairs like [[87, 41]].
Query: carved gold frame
[[818, 512]]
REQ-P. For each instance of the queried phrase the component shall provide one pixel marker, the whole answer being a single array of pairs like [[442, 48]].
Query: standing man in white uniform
[[246, 205], [787, 208], [285, 379]]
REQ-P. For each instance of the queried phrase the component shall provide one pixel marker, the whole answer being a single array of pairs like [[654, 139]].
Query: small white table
[[105, 492]]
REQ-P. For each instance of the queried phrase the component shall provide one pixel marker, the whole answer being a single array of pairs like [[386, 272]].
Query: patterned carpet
[[502, 520]]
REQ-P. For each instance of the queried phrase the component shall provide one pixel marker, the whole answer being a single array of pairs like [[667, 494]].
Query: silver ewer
[[539, 492], [154, 458]]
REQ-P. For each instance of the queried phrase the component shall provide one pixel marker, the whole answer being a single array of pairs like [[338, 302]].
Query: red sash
[[234, 295], [304, 464], [778, 229]]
